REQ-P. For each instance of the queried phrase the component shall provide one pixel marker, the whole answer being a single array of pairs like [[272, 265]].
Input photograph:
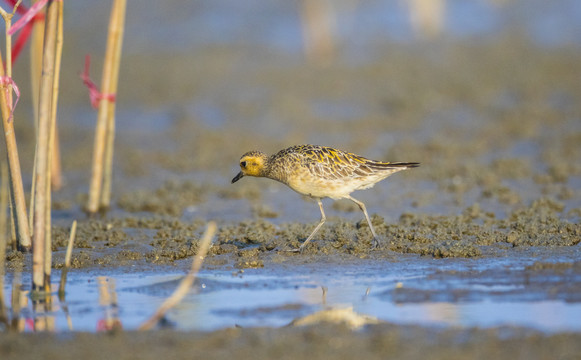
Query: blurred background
[[484, 93]]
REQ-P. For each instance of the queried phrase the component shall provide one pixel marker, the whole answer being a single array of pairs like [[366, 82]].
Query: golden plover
[[320, 172]]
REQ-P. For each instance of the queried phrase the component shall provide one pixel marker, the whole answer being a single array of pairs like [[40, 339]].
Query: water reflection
[[109, 305], [221, 300]]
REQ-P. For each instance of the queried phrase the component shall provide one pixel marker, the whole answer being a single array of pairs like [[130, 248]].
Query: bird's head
[[251, 164]]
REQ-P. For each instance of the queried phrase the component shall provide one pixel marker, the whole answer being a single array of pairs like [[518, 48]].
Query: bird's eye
[[243, 164]]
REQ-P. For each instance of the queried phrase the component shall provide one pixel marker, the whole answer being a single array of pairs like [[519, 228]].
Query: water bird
[[320, 172]]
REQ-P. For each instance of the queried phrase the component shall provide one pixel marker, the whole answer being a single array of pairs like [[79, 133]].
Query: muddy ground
[[321, 342], [496, 124]]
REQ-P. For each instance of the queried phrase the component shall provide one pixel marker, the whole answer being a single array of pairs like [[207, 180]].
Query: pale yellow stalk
[[42, 157], [121, 6], [18, 203], [106, 108]]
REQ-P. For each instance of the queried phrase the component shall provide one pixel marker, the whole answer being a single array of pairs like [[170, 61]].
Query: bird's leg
[[323, 218], [362, 207]]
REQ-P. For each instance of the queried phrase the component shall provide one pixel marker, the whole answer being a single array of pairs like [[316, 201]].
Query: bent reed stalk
[[187, 282]]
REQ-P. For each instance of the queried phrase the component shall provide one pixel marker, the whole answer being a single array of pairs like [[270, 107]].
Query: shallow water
[[410, 290]]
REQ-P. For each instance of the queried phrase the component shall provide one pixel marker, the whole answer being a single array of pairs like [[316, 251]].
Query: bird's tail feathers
[[394, 165]]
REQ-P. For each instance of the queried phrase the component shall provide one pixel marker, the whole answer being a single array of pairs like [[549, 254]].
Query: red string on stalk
[[26, 22], [29, 14], [94, 94]]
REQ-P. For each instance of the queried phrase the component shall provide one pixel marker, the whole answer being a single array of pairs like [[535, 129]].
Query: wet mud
[[495, 125], [322, 342], [164, 240]]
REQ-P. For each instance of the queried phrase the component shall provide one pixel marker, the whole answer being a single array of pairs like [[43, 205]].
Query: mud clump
[[89, 234], [540, 225], [446, 249], [252, 243]]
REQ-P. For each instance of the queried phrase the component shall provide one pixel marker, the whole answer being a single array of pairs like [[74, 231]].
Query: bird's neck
[[274, 171]]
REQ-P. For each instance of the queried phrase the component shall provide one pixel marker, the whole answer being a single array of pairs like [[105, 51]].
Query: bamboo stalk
[[187, 282], [36, 48], [18, 203], [51, 144], [36, 44], [44, 113], [56, 177], [65, 269], [106, 106], [3, 206], [55, 161], [13, 242], [117, 47], [3, 236]]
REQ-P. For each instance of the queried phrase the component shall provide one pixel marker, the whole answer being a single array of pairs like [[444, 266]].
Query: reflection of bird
[[319, 172]]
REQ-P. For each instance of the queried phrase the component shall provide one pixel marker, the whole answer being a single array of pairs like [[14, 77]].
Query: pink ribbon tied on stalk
[[7, 83], [94, 94], [29, 15], [26, 22]]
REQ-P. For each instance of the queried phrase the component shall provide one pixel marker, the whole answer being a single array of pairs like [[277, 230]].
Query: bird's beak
[[237, 177]]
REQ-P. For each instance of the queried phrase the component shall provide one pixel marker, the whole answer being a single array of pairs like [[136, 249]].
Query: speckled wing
[[333, 164]]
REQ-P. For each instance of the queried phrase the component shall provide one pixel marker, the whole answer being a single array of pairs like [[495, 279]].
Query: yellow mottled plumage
[[319, 172]]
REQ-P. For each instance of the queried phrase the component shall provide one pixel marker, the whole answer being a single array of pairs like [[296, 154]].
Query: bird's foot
[[297, 250], [375, 243]]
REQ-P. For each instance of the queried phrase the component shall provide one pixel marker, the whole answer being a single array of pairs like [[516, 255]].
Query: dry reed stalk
[[3, 236], [118, 45], [65, 269], [13, 240], [32, 192], [103, 149], [36, 70], [187, 282], [3, 206], [318, 31], [51, 144], [39, 282], [56, 173], [36, 44], [18, 202]]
